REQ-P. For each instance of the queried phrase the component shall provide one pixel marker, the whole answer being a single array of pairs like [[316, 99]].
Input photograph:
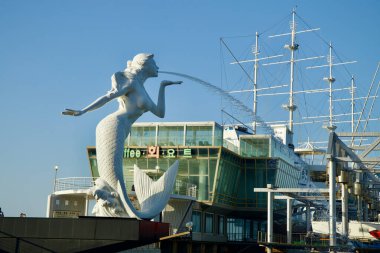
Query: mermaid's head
[[144, 62]]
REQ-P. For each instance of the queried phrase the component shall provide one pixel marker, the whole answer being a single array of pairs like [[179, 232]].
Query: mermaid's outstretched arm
[[99, 102], [159, 109]]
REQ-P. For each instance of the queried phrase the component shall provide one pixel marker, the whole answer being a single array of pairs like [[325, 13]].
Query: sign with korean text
[[157, 152]]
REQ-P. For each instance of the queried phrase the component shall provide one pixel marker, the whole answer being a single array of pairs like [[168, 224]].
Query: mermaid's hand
[[71, 112], [166, 82]]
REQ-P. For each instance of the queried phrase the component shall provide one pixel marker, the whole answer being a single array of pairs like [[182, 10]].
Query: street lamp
[[55, 177]]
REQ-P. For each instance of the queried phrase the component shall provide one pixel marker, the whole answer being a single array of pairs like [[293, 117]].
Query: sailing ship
[[341, 93]]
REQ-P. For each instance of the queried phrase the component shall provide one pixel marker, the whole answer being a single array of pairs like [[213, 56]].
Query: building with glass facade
[[220, 173]]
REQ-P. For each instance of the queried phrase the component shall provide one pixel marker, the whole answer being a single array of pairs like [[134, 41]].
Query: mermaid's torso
[[112, 131]]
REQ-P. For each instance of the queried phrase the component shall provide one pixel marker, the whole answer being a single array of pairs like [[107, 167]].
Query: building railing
[[74, 183], [239, 202], [241, 237], [230, 146], [85, 183], [297, 239], [277, 238]]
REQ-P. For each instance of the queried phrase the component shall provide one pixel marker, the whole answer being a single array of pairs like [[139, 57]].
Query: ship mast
[[255, 66], [292, 47], [331, 80], [256, 60], [291, 107], [352, 108]]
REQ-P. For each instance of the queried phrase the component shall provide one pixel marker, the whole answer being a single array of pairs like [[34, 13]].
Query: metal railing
[[74, 183], [305, 239], [236, 201], [297, 239], [230, 146], [277, 238], [241, 237]]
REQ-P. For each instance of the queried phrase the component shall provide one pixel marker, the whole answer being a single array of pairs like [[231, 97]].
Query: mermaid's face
[[151, 68]]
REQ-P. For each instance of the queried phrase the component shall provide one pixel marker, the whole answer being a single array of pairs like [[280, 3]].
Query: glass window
[[220, 224], [196, 219], [212, 168], [235, 229], [94, 167], [213, 152], [142, 136], [203, 152], [198, 135], [170, 135], [251, 147], [209, 218], [66, 202], [57, 202], [255, 229], [183, 168], [218, 136], [248, 229]]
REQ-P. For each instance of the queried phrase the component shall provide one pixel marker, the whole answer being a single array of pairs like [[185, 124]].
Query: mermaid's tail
[[152, 195]]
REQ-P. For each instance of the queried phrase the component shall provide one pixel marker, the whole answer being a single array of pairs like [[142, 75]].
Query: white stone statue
[[111, 132]]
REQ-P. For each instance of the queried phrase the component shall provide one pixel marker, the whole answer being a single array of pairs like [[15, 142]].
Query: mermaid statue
[[110, 190]]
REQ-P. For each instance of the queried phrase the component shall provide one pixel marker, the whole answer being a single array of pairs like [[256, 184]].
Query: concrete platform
[[84, 234]]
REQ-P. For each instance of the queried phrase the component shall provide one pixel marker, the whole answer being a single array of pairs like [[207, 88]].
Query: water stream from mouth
[[235, 102]]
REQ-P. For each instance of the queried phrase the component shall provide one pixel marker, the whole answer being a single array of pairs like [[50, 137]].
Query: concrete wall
[[66, 206]]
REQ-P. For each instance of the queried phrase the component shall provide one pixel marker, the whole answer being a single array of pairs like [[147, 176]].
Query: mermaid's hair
[[138, 62], [133, 67]]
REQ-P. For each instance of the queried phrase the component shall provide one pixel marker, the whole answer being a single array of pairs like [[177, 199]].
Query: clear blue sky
[[61, 54]]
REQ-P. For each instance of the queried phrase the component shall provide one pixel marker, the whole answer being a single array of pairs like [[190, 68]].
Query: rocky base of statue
[[108, 202]]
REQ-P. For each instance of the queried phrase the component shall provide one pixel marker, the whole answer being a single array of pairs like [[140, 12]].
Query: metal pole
[[270, 218], [330, 84], [308, 219], [352, 104], [55, 177], [86, 207], [330, 79], [365, 211], [358, 192], [292, 48], [360, 209], [332, 202], [344, 210], [289, 223], [366, 100], [255, 66], [352, 108]]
